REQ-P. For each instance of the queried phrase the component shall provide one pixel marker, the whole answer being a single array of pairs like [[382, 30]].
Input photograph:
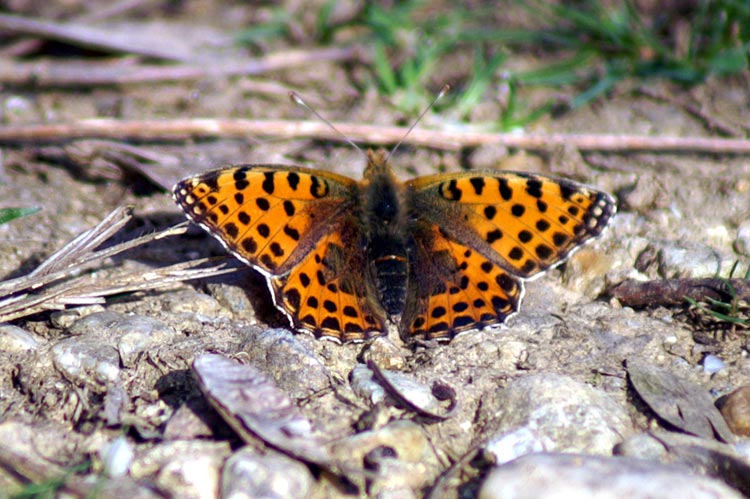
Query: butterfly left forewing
[[267, 215]]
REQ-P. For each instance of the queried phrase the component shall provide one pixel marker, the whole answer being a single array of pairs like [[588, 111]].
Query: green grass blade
[[8, 214]]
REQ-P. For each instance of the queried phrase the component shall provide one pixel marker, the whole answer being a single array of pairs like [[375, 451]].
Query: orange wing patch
[[268, 216], [328, 293], [453, 288], [531, 222]]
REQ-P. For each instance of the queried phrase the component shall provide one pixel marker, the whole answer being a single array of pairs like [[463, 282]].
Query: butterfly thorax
[[384, 222]]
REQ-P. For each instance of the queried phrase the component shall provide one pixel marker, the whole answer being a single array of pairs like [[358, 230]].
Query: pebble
[[735, 408], [712, 364], [133, 334], [547, 476], [385, 354], [13, 339], [63, 319], [186, 469], [249, 473], [117, 457], [554, 413], [742, 241], [405, 442], [87, 361], [676, 259], [191, 301], [295, 368]]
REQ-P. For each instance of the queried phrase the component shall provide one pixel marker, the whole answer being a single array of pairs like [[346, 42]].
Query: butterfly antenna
[[298, 100], [446, 88]]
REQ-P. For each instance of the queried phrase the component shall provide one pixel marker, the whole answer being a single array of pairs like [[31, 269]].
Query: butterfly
[[439, 254]]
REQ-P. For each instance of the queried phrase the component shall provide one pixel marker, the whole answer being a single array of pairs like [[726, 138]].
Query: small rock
[[364, 386], [87, 361], [117, 457], [17, 109], [735, 408], [701, 455], [742, 242], [679, 259], [294, 366], [250, 474], [584, 272], [643, 446], [516, 443], [193, 419], [193, 302], [564, 475], [556, 413], [712, 364], [132, 334], [66, 318], [13, 339], [385, 353], [115, 404], [182, 468], [406, 442], [231, 295]]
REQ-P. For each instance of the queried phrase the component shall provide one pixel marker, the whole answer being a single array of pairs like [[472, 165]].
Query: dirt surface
[[679, 215]]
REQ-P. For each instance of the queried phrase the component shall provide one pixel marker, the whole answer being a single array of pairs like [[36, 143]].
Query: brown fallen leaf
[[680, 403], [251, 403]]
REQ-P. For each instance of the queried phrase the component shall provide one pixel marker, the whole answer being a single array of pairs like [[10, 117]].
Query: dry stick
[[87, 73], [180, 129], [58, 282], [669, 292], [85, 36]]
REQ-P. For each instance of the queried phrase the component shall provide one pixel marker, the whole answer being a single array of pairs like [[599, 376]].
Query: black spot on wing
[[268, 182], [292, 179], [478, 184], [506, 192]]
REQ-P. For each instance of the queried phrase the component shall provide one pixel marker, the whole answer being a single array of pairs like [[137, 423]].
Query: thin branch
[[85, 35], [69, 73], [181, 129], [61, 280], [670, 292]]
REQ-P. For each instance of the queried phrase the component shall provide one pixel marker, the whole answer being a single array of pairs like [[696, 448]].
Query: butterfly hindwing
[[453, 288], [329, 292]]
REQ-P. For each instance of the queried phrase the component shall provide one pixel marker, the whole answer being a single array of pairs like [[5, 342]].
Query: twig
[[86, 36], [116, 72], [670, 292], [181, 129], [58, 282], [112, 9]]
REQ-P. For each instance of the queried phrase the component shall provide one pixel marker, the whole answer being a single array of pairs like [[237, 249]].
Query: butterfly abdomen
[[386, 247], [389, 268]]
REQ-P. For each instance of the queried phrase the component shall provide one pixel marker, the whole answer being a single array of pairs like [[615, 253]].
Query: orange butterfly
[[448, 253]]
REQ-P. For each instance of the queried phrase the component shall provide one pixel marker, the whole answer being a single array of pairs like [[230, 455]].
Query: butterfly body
[[440, 254]]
